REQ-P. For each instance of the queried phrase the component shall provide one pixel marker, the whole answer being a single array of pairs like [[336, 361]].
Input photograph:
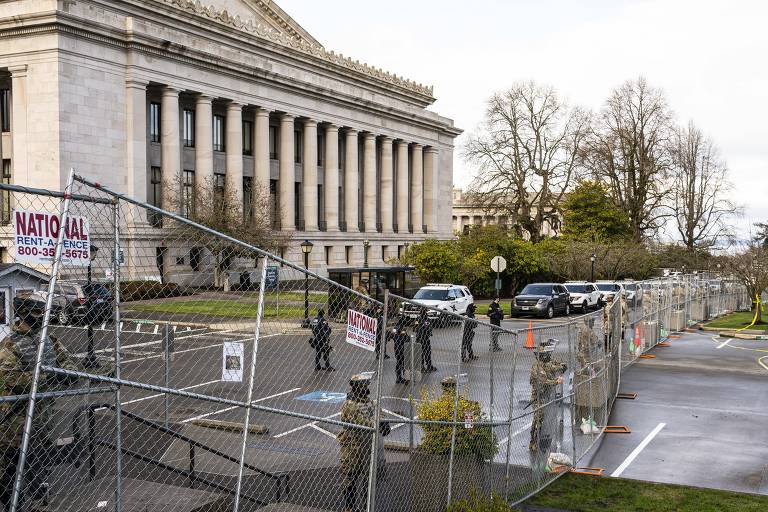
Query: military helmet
[[448, 383], [359, 381]]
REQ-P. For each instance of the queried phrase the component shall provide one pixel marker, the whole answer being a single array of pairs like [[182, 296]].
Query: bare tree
[[700, 186], [762, 234], [527, 153], [225, 211], [629, 150], [750, 266]]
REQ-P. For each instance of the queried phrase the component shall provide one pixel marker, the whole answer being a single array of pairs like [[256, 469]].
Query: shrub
[[146, 290], [479, 440]]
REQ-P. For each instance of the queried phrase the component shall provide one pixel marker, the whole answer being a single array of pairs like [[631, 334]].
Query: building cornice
[[301, 44]]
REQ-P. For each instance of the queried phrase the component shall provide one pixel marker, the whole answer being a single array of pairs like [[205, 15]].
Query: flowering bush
[[478, 440]]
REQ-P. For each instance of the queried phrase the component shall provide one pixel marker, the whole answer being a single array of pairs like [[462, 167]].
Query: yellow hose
[[758, 307]]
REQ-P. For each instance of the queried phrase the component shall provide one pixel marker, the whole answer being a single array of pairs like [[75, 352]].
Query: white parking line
[[207, 347], [305, 426], [624, 465], [213, 413], [323, 431], [515, 433], [163, 394], [726, 342]]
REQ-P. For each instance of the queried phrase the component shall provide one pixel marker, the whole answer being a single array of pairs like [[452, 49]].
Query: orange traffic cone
[[529, 339], [638, 340]]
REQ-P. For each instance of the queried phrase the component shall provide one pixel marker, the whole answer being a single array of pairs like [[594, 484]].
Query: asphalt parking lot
[[285, 380], [699, 417]]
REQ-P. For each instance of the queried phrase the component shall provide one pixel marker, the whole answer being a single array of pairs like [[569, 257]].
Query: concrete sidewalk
[[699, 417]]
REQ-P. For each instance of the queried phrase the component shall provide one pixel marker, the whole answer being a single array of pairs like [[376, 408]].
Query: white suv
[[584, 295], [610, 290], [447, 297]]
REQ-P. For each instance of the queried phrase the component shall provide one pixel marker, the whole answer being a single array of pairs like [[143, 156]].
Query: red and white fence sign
[[361, 330], [35, 235]]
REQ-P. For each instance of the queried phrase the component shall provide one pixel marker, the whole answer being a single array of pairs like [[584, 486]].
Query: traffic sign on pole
[[498, 264]]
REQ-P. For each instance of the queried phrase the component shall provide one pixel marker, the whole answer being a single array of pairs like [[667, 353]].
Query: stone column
[[204, 145], [170, 150], [261, 156], [387, 199], [234, 153], [402, 186], [417, 188], [19, 141], [331, 182], [369, 183], [309, 181], [287, 173], [351, 185], [430, 189], [136, 132]]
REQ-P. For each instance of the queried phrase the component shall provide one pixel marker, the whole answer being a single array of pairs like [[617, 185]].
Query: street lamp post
[[592, 259], [90, 361], [306, 248], [366, 245]]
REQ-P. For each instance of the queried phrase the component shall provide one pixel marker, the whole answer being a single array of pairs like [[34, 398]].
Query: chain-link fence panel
[[182, 366]]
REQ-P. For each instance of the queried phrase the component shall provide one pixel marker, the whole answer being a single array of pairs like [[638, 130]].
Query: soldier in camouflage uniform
[[545, 376], [355, 444], [18, 353]]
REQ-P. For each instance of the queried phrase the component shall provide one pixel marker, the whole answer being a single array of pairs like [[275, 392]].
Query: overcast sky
[[710, 58]]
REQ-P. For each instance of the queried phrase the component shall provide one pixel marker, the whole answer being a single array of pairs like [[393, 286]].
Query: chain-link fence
[[159, 364]]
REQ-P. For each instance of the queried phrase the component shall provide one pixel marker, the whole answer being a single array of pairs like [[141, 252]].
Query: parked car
[[610, 290], [60, 308], [86, 302], [542, 299], [447, 297], [632, 292], [584, 295]]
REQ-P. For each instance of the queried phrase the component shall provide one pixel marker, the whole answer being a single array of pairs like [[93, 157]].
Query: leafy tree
[[434, 260], [570, 259], [589, 213]]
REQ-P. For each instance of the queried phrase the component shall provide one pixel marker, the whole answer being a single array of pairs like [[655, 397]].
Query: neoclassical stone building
[[138, 93]]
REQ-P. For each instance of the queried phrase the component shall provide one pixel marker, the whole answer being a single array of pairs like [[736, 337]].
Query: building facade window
[[189, 128], [219, 184], [7, 207], [248, 138], [154, 122], [328, 250], [5, 109], [195, 257], [274, 204], [320, 149], [218, 133], [348, 254], [297, 147], [155, 195], [247, 196], [297, 189], [188, 194], [273, 143]]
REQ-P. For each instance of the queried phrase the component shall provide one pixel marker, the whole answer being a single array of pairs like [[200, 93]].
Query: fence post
[[167, 350], [118, 393], [511, 408], [411, 395], [19, 477], [455, 419], [251, 380], [374, 466]]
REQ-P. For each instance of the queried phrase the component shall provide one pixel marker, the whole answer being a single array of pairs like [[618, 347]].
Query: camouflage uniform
[[589, 397], [544, 379], [17, 365], [355, 444]]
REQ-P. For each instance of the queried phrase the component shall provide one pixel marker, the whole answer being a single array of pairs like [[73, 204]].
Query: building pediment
[[265, 19], [250, 13]]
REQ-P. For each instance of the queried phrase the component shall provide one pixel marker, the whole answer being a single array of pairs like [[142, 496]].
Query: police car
[[446, 297]]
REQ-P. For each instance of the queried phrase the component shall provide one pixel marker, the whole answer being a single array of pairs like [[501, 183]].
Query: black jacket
[[321, 331], [495, 313]]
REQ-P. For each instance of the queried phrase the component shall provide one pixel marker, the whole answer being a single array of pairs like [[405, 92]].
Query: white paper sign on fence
[[361, 330], [232, 362], [35, 235]]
